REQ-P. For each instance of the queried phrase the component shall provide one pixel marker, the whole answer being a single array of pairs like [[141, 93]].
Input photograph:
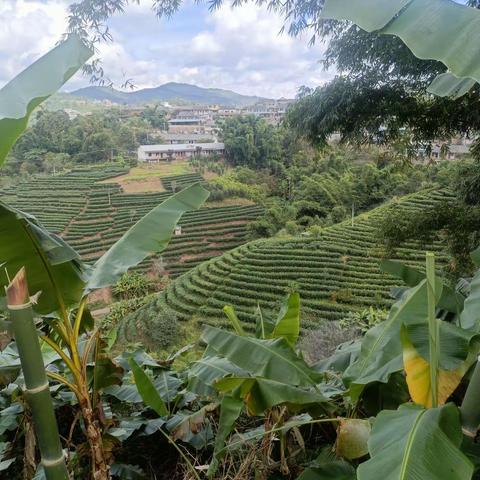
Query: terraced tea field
[[335, 273], [91, 215]]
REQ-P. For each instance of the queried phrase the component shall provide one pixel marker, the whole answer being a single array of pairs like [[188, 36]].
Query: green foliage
[[132, 285], [251, 142], [457, 222], [364, 320]]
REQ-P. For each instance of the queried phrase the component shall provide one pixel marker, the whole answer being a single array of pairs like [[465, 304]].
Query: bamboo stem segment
[[433, 331], [37, 391]]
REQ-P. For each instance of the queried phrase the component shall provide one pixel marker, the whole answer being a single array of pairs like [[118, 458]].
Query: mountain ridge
[[169, 92]]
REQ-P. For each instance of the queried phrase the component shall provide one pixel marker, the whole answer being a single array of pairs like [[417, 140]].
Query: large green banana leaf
[[380, 352], [470, 317], [151, 234], [206, 371], [260, 394], [273, 359], [441, 30], [413, 443], [36, 83], [52, 266]]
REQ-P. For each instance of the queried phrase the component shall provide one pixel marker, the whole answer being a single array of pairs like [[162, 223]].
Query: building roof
[[186, 120], [187, 136], [181, 147]]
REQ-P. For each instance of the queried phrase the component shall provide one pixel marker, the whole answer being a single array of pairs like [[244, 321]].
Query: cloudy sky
[[238, 49]]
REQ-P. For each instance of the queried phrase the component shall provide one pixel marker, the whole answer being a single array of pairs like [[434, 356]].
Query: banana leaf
[[232, 316], [260, 394], [273, 359], [470, 316], [287, 325], [448, 85], [450, 300], [381, 349], [147, 390], [440, 30], [414, 443], [206, 371], [454, 347], [53, 267], [36, 83], [151, 234], [230, 410]]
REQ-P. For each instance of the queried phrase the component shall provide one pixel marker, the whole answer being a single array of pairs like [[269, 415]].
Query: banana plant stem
[[433, 331]]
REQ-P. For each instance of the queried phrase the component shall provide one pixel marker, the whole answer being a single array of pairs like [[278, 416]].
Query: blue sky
[[238, 49]]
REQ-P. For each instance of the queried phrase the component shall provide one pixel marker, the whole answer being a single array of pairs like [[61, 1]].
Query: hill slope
[[334, 274], [168, 92], [91, 216]]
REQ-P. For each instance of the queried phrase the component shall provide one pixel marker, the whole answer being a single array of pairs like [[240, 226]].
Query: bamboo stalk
[[37, 391], [470, 409], [433, 331]]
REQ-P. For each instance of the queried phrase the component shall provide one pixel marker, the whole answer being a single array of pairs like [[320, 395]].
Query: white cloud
[[238, 49]]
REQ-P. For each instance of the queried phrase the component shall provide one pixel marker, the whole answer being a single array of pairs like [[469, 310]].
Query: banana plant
[[18, 99], [442, 30], [66, 282]]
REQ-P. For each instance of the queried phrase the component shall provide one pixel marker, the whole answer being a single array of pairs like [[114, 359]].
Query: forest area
[[303, 306]]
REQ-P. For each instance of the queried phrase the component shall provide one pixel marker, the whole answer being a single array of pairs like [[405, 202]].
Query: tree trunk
[[100, 468]]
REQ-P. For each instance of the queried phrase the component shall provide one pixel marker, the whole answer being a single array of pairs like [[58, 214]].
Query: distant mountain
[[169, 92]]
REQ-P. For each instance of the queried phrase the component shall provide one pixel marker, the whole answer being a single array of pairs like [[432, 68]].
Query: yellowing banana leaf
[[288, 321], [260, 394], [413, 443], [36, 83], [441, 30], [151, 234], [418, 377], [53, 267], [273, 359]]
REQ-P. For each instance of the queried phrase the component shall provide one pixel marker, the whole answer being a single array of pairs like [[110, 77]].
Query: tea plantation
[[336, 273], [91, 216]]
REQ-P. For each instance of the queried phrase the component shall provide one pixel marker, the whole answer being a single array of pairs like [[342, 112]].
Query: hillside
[[168, 92], [335, 273], [91, 215]]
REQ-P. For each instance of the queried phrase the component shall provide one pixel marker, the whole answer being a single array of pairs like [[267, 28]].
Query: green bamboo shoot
[[37, 391]]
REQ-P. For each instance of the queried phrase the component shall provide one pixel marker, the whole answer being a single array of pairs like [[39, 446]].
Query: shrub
[[364, 320], [132, 285]]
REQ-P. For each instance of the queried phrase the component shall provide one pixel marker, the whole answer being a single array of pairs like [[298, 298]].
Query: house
[[158, 153]]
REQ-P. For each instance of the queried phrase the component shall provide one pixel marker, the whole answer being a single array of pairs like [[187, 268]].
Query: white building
[[157, 153]]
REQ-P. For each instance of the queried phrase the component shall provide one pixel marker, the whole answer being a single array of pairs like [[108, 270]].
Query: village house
[[169, 152]]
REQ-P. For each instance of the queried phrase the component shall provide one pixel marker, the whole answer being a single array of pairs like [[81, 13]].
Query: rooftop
[[181, 147]]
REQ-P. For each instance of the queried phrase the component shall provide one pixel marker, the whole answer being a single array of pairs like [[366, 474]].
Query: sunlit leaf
[[20, 96]]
